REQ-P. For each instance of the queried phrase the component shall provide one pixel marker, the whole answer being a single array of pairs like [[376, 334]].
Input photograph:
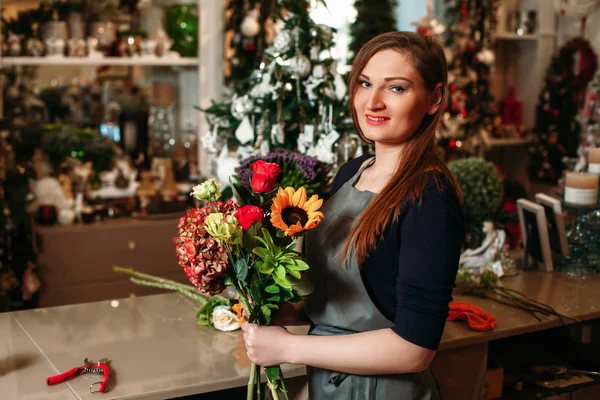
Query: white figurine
[[490, 248]]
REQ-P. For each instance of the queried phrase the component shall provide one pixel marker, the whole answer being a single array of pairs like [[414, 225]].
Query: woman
[[384, 259]]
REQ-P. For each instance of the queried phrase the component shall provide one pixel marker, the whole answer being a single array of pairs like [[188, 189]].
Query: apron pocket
[[337, 378]]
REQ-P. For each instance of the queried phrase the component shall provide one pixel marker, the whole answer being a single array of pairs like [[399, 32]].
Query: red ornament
[[511, 110], [249, 45], [453, 88]]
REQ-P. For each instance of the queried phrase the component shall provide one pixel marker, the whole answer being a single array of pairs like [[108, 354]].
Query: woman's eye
[[365, 84], [397, 89]]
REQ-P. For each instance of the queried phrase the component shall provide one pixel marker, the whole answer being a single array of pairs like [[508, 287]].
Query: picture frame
[[557, 233], [534, 228]]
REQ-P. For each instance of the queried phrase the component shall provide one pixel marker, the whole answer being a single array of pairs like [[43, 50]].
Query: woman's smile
[[376, 120]]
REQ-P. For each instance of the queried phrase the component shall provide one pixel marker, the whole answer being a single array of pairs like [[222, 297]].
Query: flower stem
[[283, 388], [250, 392], [258, 384], [132, 272], [146, 280], [194, 296], [274, 392]]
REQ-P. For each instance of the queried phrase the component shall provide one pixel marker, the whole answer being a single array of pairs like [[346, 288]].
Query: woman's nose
[[375, 100]]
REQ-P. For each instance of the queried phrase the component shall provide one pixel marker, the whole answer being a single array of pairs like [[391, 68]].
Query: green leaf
[[302, 286], [264, 268], [298, 265], [280, 272], [275, 299], [241, 269], [295, 274], [261, 252], [265, 310], [272, 289], [272, 374], [256, 289], [283, 282], [254, 314], [249, 238], [242, 194]]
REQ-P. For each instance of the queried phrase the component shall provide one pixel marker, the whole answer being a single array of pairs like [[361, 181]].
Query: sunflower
[[291, 212]]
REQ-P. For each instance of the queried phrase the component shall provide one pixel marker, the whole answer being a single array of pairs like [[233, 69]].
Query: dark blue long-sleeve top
[[410, 275]]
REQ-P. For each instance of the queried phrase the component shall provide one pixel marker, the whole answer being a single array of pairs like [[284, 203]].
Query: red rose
[[248, 215], [264, 177]]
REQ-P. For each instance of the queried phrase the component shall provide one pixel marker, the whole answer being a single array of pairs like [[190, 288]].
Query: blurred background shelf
[[109, 61]]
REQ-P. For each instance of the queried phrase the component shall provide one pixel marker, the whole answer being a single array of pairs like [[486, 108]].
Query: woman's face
[[391, 101]]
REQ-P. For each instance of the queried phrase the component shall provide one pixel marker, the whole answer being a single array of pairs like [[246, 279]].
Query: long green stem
[[168, 284], [274, 392], [250, 391], [132, 272], [541, 305], [194, 296], [283, 388], [258, 385]]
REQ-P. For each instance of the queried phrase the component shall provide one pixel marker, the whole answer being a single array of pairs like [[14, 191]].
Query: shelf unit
[[108, 61], [522, 60], [204, 72]]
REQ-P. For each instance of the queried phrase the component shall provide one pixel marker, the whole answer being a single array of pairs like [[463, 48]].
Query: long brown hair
[[419, 161]]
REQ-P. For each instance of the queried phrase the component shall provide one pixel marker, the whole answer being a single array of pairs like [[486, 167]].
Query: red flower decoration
[[264, 177], [248, 215]]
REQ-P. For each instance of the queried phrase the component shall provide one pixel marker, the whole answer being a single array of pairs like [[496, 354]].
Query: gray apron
[[340, 305]]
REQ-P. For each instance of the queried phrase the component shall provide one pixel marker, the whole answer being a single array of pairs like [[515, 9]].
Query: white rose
[[224, 319]]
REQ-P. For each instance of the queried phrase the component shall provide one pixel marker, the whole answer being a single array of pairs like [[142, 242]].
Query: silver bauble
[[240, 107], [283, 42], [299, 66], [250, 27]]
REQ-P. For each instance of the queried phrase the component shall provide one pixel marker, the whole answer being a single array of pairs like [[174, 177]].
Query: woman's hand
[[266, 345]]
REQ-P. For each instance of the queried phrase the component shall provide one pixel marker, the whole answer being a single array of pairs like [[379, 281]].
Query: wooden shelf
[[514, 36], [86, 61], [490, 141]]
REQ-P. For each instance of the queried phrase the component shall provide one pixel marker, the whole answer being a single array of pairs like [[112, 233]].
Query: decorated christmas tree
[[18, 270], [589, 119], [248, 31], [296, 98], [555, 124], [373, 18], [468, 42]]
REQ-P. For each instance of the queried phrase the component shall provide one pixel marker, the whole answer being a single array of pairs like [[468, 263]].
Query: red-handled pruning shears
[[99, 367]]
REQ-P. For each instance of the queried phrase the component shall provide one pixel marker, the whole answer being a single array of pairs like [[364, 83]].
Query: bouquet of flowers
[[250, 244]]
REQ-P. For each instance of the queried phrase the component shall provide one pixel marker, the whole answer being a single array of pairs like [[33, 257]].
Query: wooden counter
[[76, 261], [158, 351], [574, 297]]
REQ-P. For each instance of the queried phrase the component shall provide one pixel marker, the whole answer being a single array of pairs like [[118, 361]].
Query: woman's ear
[[436, 99]]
